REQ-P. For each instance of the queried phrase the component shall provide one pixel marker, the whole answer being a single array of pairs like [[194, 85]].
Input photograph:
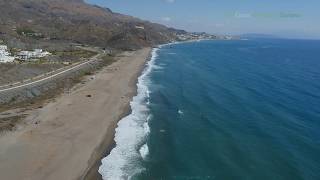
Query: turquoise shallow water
[[234, 110]]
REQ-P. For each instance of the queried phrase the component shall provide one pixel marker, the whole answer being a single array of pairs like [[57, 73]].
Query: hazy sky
[[287, 18]]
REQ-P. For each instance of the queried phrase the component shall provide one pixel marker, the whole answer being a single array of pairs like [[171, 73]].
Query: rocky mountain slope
[[26, 23]]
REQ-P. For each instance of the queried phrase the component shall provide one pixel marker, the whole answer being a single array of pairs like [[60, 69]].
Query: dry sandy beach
[[68, 136]]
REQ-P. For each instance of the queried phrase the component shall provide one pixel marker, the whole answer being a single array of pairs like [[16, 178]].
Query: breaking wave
[[125, 160]]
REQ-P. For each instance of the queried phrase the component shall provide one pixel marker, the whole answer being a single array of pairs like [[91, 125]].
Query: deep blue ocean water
[[243, 110]]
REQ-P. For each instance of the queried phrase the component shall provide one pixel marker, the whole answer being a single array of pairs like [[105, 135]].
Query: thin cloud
[[242, 15], [167, 19]]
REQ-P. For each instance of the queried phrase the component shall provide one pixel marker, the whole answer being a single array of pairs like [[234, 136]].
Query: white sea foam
[[124, 161], [144, 151], [157, 67], [146, 127]]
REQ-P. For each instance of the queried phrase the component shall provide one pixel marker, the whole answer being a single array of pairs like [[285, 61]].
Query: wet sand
[[67, 137]]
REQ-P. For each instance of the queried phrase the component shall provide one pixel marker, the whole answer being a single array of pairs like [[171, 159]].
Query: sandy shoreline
[[69, 135]]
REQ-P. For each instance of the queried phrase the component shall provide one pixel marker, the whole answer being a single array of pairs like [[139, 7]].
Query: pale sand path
[[63, 145]]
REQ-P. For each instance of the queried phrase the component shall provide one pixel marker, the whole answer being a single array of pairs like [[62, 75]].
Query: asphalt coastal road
[[46, 77], [10, 90]]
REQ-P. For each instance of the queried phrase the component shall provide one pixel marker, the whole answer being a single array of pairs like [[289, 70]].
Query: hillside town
[[32, 55], [7, 57], [203, 36]]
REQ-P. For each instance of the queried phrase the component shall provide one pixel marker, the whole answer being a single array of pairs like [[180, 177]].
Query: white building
[[29, 55], [3, 48], [5, 55], [139, 27]]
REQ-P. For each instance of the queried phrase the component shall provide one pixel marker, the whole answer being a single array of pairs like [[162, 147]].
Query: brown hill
[[29, 22]]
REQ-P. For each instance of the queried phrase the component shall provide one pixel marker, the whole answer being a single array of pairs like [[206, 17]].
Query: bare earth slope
[[78, 22]]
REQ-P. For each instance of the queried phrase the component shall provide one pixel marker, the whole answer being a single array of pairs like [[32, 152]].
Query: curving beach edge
[[74, 132]]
